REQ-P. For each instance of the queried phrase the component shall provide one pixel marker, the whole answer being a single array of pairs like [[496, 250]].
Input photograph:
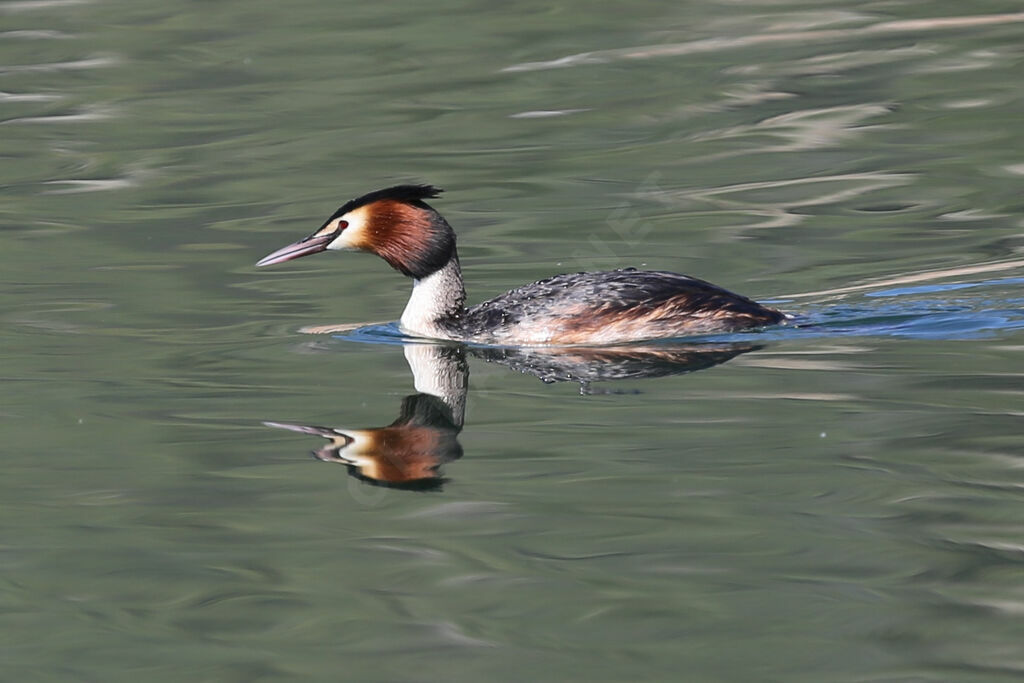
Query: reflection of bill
[[409, 452]]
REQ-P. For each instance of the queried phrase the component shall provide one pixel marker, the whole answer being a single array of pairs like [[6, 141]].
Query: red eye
[[342, 225]]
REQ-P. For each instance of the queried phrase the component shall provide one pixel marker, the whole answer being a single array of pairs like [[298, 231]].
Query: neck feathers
[[437, 303], [413, 238]]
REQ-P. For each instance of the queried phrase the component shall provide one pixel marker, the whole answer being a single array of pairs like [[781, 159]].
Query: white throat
[[436, 299]]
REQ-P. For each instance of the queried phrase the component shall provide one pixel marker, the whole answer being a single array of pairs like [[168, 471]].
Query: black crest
[[408, 194]]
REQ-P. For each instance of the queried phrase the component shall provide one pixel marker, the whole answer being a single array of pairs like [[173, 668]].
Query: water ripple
[[792, 37], [72, 65], [33, 5], [73, 186], [86, 114], [28, 97], [34, 34]]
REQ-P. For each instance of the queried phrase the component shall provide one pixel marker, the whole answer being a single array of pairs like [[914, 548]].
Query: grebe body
[[593, 308]]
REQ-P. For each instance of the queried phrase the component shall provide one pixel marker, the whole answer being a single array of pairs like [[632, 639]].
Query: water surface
[[838, 499]]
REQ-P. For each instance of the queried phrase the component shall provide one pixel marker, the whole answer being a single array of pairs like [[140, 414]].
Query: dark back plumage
[[645, 304]]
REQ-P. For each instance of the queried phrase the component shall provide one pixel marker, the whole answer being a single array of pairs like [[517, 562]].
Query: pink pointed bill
[[304, 247]]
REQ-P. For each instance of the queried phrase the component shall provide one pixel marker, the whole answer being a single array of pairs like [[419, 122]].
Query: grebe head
[[394, 223]]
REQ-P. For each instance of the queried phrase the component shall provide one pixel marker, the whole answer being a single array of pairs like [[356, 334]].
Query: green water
[[842, 501]]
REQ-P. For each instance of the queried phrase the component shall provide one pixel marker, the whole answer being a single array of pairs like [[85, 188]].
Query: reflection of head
[[406, 454]]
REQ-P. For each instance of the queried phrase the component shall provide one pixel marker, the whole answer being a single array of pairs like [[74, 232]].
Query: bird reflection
[[601, 364], [410, 452]]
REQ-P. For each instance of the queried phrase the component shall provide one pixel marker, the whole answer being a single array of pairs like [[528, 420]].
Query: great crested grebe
[[606, 307]]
